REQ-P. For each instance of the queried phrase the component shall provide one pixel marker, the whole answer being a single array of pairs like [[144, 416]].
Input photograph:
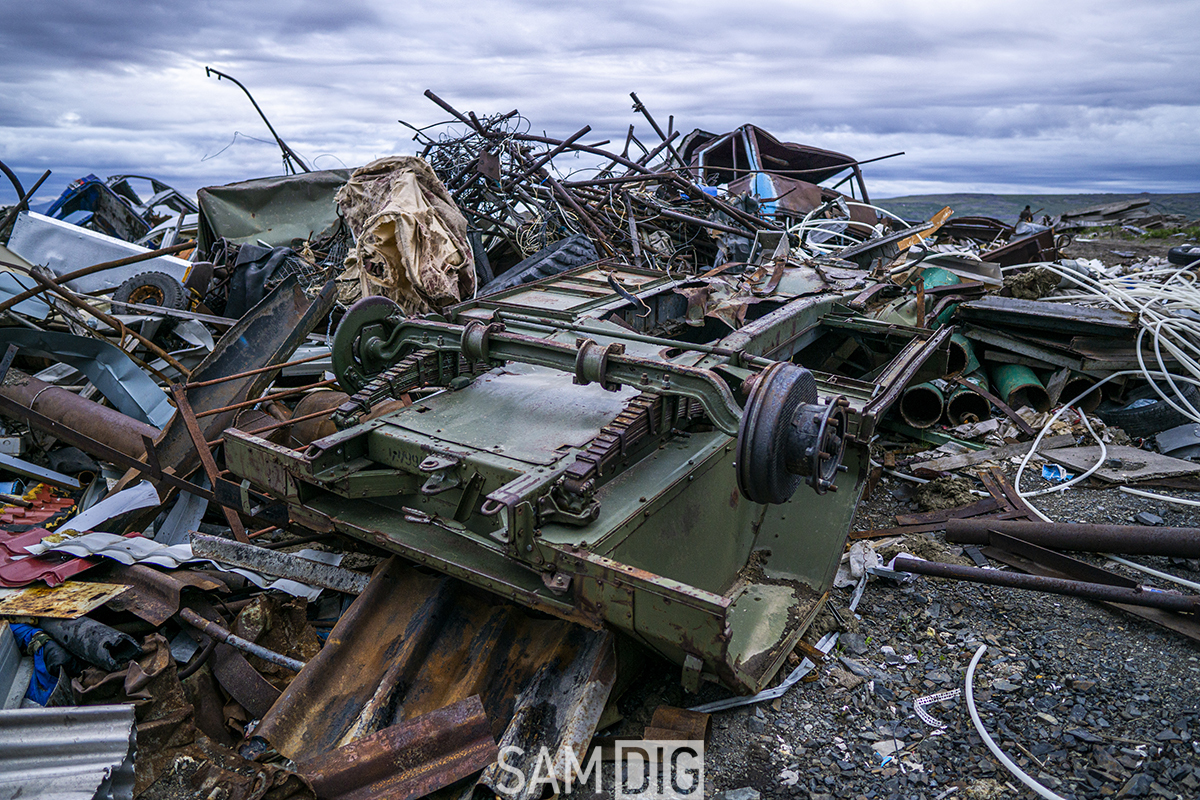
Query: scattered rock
[[854, 643]]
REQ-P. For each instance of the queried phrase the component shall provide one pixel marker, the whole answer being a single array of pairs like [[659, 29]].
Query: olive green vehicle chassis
[[571, 459]]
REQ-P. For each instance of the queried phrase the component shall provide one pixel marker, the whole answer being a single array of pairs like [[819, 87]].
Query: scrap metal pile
[[326, 497]]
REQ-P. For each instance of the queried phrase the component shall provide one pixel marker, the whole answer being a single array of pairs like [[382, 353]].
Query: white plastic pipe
[[1008, 763]]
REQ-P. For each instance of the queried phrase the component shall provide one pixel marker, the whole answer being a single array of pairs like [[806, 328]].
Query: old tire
[[153, 289], [1184, 254], [574, 251], [1140, 419]]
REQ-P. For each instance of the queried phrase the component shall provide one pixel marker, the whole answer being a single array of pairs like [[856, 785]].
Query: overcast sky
[[1015, 96]]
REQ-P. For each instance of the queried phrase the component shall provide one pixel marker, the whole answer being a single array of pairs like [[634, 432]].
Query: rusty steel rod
[[265, 398], [1016, 580], [22, 201], [233, 640], [258, 371], [638, 105], [274, 425], [545, 158], [107, 265], [704, 223], [1136, 540], [616, 180]]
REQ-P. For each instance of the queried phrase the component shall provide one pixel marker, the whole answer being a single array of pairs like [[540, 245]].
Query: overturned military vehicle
[[615, 447]]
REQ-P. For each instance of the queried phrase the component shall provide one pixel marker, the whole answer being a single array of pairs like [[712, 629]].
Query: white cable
[[1166, 576], [1054, 418], [1063, 486], [1008, 763], [1165, 498]]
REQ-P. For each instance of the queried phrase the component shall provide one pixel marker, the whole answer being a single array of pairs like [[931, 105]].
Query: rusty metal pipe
[[1062, 586], [104, 424], [217, 632], [1076, 385], [1136, 540]]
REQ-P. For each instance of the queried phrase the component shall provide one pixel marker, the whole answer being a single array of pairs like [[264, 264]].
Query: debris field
[[450, 473]]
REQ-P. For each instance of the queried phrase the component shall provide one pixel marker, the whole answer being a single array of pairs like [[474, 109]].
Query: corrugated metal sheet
[[74, 753]]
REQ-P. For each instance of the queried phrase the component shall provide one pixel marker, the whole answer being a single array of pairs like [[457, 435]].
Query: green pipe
[[1020, 387], [921, 406], [962, 356], [944, 316]]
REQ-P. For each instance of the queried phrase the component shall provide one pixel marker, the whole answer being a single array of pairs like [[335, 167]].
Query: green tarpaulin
[[277, 211]]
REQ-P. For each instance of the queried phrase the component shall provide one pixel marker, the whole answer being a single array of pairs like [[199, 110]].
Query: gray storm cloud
[[990, 96]]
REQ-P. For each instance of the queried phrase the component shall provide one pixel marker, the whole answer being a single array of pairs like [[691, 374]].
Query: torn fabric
[[411, 239]]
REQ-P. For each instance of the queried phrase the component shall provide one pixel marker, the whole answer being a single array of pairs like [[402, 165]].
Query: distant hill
[[1008, 206]]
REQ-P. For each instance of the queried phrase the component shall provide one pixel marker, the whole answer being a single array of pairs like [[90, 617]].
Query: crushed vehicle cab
[[591, 448]]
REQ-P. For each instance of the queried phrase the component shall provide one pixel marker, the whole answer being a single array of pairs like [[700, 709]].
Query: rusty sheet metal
[[68, 600], [413, 643], [244, 684], [410, 759], [153, 595], [1045, 316], [278, 565], [266, 335]]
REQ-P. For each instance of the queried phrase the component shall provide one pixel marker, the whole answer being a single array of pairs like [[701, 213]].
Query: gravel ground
[[1092, 702], [1116, 249]]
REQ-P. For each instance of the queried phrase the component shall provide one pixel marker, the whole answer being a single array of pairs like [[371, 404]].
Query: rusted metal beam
[[1061, 586], [1089, 538], [184, 410], [410, 759], [279, 565]]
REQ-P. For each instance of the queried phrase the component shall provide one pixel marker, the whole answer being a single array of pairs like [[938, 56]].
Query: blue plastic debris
[[1055, 472], [42, 683]]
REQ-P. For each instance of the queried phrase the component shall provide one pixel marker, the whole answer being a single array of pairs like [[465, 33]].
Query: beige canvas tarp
[[411, 239]]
